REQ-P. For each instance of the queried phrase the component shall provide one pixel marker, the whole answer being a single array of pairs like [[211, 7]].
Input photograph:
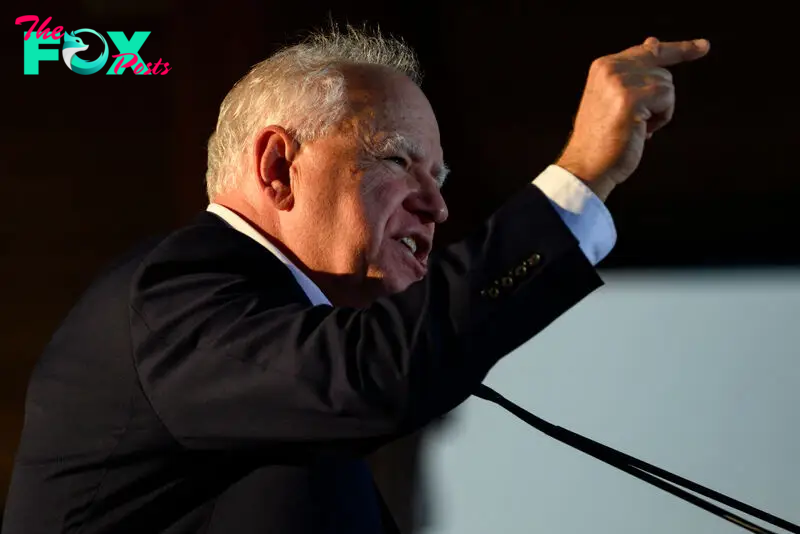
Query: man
[[232, 376]]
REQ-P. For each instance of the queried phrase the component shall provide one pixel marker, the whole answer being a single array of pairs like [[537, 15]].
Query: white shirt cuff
[[584, 214]]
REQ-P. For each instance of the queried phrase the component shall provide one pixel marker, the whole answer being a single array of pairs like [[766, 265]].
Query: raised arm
[[230, 358]]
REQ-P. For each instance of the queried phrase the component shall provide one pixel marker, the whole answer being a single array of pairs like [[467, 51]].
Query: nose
[[427, 202]]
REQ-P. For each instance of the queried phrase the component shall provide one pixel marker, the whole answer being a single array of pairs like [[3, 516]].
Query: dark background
[[91, 164]]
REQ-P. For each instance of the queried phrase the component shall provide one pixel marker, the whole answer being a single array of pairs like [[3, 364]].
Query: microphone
[[649, 473]]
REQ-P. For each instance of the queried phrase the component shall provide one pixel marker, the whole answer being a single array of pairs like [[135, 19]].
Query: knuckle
[[603, 65], [652, 48], [664, 74], [611, 73], [662, 87]]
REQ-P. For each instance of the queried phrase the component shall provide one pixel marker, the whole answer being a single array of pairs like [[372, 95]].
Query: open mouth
[[409, 242], [417, 246]]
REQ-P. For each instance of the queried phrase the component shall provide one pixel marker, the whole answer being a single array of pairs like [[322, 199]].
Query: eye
[[399, 160]]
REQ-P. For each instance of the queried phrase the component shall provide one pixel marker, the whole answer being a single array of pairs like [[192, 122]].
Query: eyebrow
[[397, 142]]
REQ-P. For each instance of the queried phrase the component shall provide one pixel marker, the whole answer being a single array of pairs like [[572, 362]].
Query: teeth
[[410, 243]]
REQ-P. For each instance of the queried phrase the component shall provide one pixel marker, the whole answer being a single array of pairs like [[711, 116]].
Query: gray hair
[[300, 88]]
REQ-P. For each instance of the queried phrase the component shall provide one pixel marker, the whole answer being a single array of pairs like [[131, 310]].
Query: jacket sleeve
[[230, 362]]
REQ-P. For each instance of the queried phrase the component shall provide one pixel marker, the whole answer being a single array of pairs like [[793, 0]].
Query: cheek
[[382, 195], [382, 199]]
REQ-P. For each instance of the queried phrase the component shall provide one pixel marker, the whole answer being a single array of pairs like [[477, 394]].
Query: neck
[[340, 289]]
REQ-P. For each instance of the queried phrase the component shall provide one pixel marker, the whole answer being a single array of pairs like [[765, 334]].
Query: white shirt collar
[[312, 291]]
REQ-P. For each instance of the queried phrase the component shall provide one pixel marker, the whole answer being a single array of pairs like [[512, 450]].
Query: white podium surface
[[697, 372]]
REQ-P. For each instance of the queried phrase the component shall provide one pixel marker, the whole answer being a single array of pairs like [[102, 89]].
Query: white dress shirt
[[584, 214]]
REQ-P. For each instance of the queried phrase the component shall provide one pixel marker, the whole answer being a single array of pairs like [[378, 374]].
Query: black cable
[[643, 470]]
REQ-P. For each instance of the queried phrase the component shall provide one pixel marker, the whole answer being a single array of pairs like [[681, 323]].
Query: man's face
[[367, 196]]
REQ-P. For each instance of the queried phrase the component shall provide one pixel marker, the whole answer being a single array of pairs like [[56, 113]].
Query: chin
[[397, 282], [397, 273]]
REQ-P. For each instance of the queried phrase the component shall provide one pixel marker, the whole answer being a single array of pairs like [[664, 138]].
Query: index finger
[[655, 53]]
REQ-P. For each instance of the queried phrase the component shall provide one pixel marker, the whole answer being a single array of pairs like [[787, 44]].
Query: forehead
[[388, 106]]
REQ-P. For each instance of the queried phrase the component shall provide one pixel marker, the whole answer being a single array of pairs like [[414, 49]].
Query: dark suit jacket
[[194, 389]]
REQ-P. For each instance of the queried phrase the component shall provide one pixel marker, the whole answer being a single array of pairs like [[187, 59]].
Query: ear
[[275, 150]]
